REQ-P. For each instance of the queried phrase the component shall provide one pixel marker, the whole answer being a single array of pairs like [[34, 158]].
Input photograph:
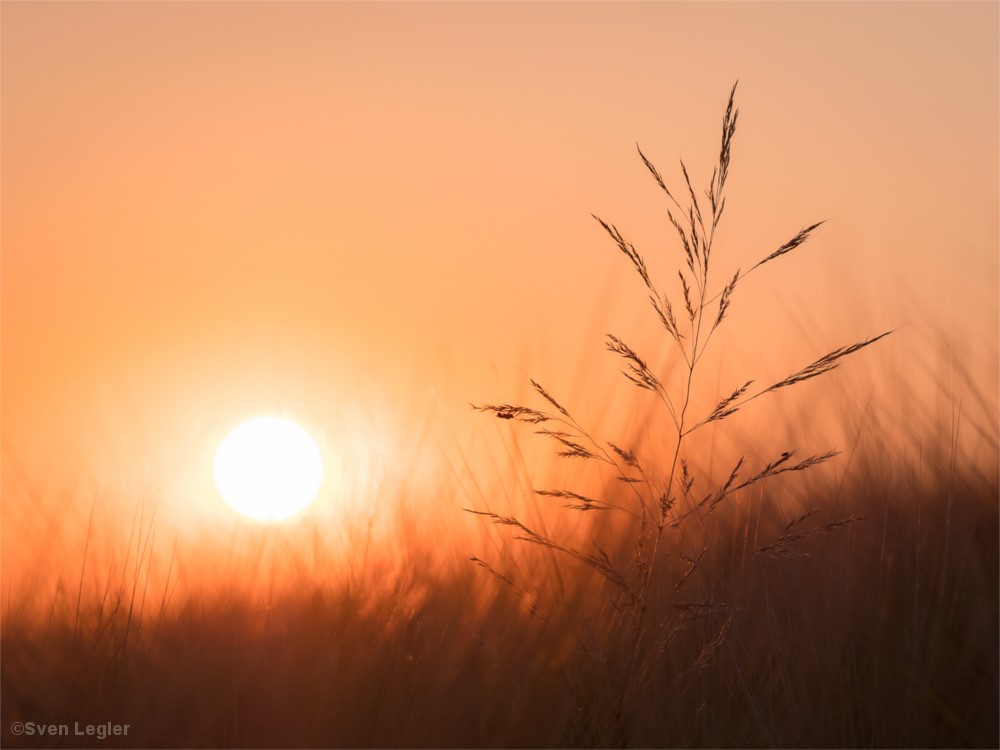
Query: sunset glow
[[500, 374]]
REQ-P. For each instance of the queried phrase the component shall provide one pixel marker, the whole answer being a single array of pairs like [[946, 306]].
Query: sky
[[368, 215]]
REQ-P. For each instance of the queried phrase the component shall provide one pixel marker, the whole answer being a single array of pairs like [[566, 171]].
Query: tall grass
[[884, 636], [669, 606], [662, 495]]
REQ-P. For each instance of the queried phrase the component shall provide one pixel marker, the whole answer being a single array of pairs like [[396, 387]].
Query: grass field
[[882, 633], [666, 588]]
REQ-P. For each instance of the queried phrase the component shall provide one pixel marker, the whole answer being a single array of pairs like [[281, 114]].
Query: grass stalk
[[696, 224]]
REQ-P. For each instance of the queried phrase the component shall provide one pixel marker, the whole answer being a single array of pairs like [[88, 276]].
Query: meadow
[[880, 634], [660, 579]]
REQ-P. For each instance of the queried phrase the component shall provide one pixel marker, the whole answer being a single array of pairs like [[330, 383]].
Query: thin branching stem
[[670, 505], [660, 523]]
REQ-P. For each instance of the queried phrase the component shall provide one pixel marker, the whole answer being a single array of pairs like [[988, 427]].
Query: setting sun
[[268, 469]]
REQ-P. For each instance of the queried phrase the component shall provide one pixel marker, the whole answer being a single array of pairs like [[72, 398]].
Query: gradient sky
[[368, 215]]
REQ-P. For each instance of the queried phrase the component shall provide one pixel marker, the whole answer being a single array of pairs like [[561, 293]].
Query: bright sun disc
[[268, 469]]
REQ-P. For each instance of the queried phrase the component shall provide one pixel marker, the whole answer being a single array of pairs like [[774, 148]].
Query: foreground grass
[[880, 633]]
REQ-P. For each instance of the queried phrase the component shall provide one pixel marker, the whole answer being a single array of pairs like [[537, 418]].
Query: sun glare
[[268, 469]]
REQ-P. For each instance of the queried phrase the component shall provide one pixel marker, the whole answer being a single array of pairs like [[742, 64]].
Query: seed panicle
[[663, 499]]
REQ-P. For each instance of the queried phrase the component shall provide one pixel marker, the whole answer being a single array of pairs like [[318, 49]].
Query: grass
[[663, 499], [783, 600], [882, 636]]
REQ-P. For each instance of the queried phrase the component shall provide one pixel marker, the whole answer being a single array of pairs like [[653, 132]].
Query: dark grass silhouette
[[882, 636], [671, 611], [663, 496]]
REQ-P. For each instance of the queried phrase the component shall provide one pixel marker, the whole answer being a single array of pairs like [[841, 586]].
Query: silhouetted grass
[[699, 609], [664, 501], [883, 636]]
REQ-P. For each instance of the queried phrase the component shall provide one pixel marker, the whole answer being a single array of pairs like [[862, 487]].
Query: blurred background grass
[[881, 633]]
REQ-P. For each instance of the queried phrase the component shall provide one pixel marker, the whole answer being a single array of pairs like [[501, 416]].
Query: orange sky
[[369, 215]]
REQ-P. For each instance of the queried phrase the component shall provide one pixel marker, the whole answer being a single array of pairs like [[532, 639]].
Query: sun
[[268, 469]]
